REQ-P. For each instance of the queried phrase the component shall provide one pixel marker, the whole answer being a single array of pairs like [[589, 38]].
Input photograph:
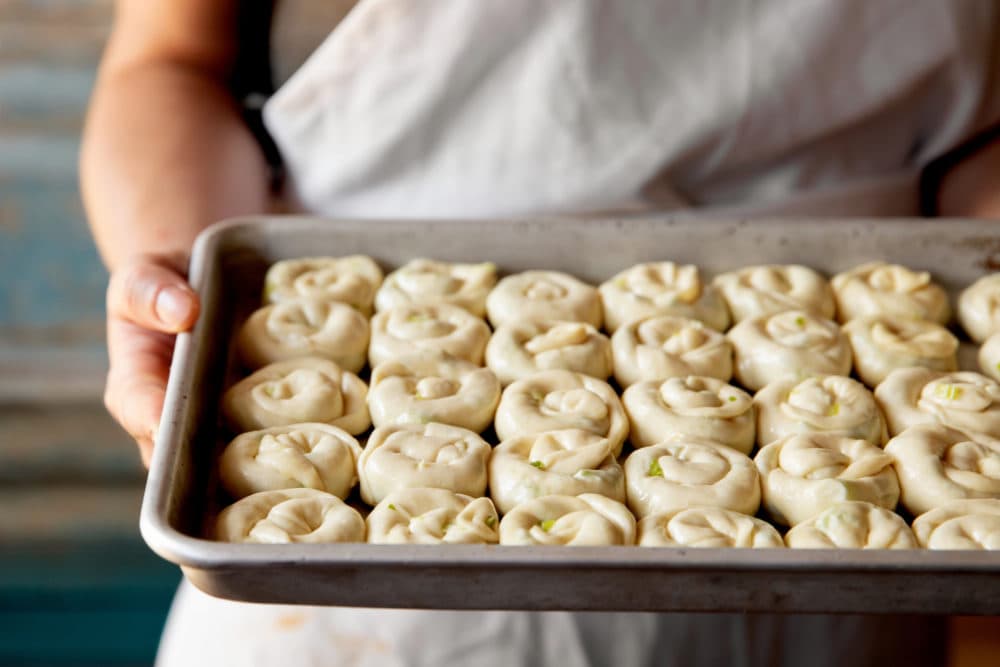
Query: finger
[[137, 379], [153, 296]]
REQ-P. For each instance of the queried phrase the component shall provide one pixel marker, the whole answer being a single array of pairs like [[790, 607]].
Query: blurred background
[[77, 584]]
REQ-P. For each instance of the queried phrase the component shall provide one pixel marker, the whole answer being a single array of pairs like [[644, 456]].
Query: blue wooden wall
[[70, 555]]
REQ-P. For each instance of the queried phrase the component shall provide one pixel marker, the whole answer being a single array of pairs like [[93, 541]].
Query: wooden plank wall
[[70, 553]]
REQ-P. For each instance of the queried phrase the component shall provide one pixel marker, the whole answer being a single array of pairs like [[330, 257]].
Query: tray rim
[[193, 552]]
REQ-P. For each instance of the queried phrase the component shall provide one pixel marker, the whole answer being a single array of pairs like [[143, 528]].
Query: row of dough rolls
[[547, 338]]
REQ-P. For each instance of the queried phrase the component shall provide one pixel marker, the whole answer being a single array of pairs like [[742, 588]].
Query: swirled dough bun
[[290, 516], [306, 327], [989, 357], [661, 288], [758, 291], [711, 527], [351, 280], [878, 289], [697, 406], [298, 391], [966, 401], [433, 516], [407, 456], [312, 456], [820, 404], [433, 387], [802, 475], [541, 296], [424, 281], [520, 349], [566, 463], [979, 308], [581, 521], [406, 329], [880, 346], [557, 400], [852, 525], [690, 472], [937, 464], [960, 524], [793, 342], [662, 347]]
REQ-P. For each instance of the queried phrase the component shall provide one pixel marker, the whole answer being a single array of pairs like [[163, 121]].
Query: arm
[[972, 188], [165, 153]]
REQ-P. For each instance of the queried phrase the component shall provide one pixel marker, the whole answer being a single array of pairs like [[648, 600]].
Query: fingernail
[[173, 306]]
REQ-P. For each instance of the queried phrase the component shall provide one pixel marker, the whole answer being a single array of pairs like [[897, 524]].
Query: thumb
[[152, 296]]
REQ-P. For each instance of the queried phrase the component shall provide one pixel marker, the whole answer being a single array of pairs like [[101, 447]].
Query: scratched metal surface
[[227, 268]]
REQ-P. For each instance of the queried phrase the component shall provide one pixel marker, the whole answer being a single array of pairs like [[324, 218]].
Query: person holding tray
[[457, 109]]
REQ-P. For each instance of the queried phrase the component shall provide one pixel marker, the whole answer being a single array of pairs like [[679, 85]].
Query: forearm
[[972, 188], [165, 154]]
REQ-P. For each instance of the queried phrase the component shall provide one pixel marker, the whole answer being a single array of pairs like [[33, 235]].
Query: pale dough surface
[[351, 280], [313, 456], [585, 520], [661, 288], [878, 289], [433, 516], [297, 391], [540, 296], [697, 406], [979, 308], [960, 524], [428, 281], [852, 525], [519, 349], [965, 401], [410, 328], [707, 527], [665, 346], [290, 516], [802, 475], [881, 345], [772, 288]]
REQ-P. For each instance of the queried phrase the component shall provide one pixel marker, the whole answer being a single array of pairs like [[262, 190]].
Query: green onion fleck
[[834, 410], [948, 392], [538, 464], [732, 399], [490, 521], [391, 506], [547, 524], [801, 321], [654, 469]]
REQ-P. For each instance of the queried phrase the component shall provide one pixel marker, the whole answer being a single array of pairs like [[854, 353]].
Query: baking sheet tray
[[227, 269]]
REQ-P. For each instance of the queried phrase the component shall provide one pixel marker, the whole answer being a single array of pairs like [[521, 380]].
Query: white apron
[[471, 108]]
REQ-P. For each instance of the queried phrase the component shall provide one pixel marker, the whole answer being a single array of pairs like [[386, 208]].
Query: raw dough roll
[[433, 516], [313, 456], [880, 346], [794, 342], [586, 520], [878, 289], [557, 400], [541, 296], [697, 406], [406, 329], [709, 527], [407, 456], [960, 524], [852, 525], [821, 404], [351, 280], [566, 463], [520, 349], [966, 401], [979, 308], [288, 516], [298, 391], [757, 291], [306, 327], [433, 387], [690, 472], [424, 281], [989, 357], [802, 475], [662, 347], [937, 464], [661, 288]]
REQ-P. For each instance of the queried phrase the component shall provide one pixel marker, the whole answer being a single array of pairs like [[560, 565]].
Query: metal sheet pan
[[227, 269]]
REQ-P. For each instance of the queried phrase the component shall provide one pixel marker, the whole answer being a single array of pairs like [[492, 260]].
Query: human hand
[[148, 303]]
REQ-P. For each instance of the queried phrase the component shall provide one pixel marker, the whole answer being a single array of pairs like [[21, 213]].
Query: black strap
[[252, 81]]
